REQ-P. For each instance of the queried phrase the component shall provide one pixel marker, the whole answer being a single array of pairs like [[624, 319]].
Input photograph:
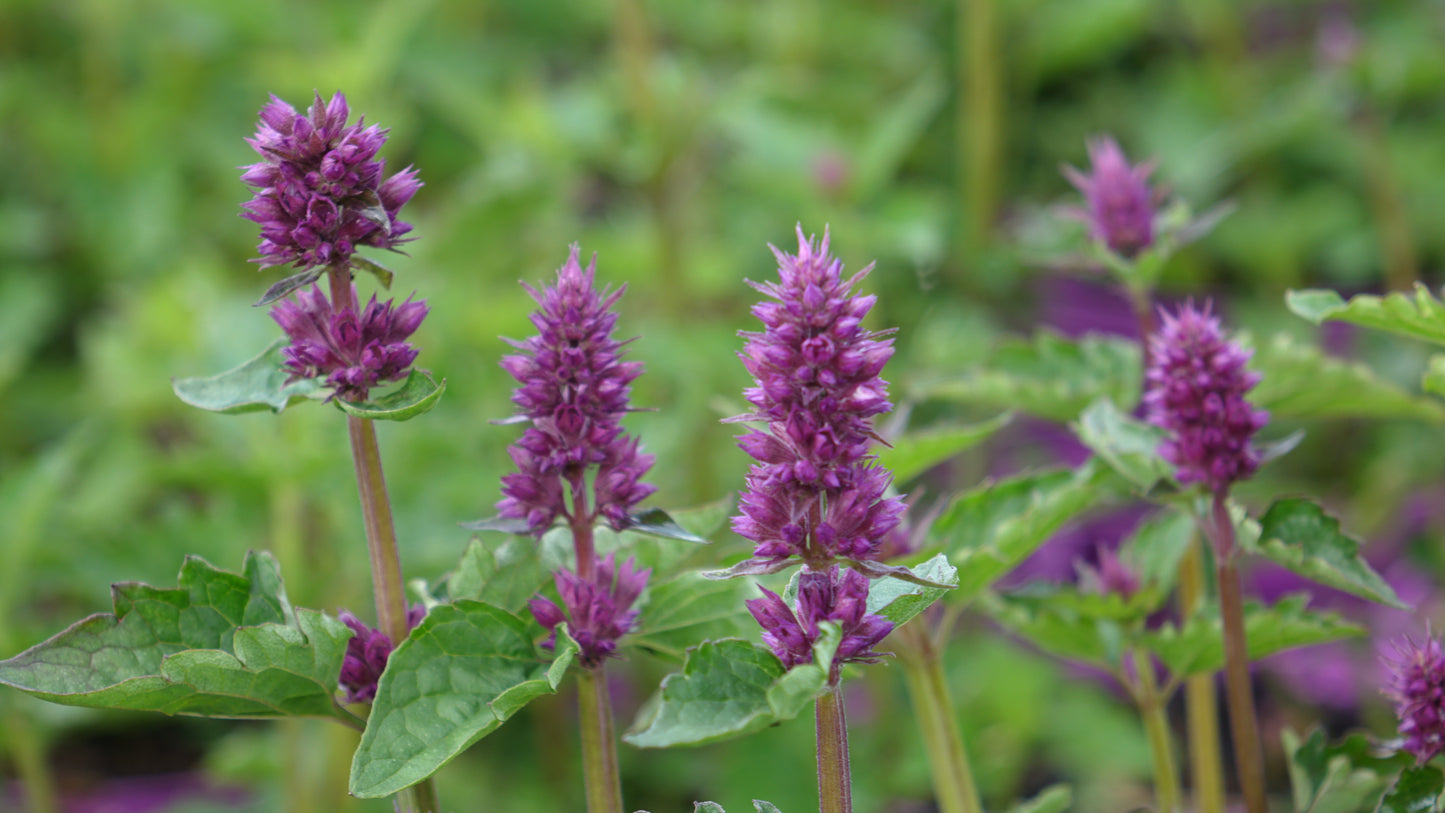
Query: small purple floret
[[1417, 687], [1195, 389], [352, 353], [366, 656], [840, 596], [598, 611], [320, 189], [574, 389], [1120, 210], [1111, 576]]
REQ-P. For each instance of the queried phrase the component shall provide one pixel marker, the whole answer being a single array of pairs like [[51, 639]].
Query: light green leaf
[[1344, 777], [899, 600], [1154, 549], [1420, 318], [689, 608], [1051, 625], [1433, 380], [657, 522], [1300, 382], [1198, 647], [916, 452], [1127, 444], [1299, 535], [465, 670], [416, 396], [1052, 799], [255, 385], [506, 574]]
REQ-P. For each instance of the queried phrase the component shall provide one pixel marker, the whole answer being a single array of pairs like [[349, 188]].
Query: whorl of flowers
[[1196, 383], [1120, 204], [1417, 687], [814, 492], [837, 595], [574, 389], [353, 352], [366, 655], [597, 612], [320, 190]]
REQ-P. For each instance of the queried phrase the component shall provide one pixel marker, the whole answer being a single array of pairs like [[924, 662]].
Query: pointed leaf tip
[[257, 384]]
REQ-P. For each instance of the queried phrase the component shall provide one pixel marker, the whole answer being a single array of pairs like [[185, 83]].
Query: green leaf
[[899, 600], [290, 284], [258, 384], [657, 522], [759, 806], [383, 275], [1049, 622], [1417, 791], [1052, 799], [416, 396], [1299, 535], [689, 608], [1129, 445], [1198, 647], [1046, 375], [1433, 380], [916, 452], [465, 670], [505, 575], [1300, 382], [218, 645], [1154, 549], [1422, 318], [1345, 777]]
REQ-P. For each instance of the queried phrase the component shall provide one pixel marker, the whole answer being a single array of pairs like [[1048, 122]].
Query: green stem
[[599, 743], [29, 754], [1205, 764], [1156, 725], [1239, 695], [980, 119], [835, 780], [922, 664]]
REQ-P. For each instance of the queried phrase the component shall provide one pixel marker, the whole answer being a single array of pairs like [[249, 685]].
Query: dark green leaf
[[1417, 791], [1126, 443], [899, 600], [505, 574], [465, 670], [258, 384], [689, 608], [416, 396], [1299, 535], [1298, 381], [1422, 318], [1048, 622], [916, 452], [1343, 777], [1198, 647], [290, 284], [657, 522]]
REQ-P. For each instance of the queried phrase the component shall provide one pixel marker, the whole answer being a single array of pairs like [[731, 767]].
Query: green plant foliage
[[1418, 790], [1065, 623], [1299, 381], [1420, 318], [657, 522], [504, 575], [1198, 646], [217, 645], [759, 806], [416, 396], [255, 385], [1129, 445], [1297, 533], [899, 600], [1155, 548], [687, 608], [1052, 799], [916, 452], [1343, 777], [463, 672], [1433, 380]]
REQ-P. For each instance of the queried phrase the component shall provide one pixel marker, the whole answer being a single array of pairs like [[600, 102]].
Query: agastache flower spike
[[1417, 687], [840, 596], [320, 189], [574, 389], [1120, 210], [366, 655], [598, 612], [1196, 383], [354, 353]]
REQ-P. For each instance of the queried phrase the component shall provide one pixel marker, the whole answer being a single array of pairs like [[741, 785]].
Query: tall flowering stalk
[[1417, 688], [321, 193], [1196, 385], [576, 463]]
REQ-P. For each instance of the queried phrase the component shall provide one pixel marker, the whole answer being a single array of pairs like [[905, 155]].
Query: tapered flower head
[[1195, 390], [598, 611], [836, 595], [1120, 204], [1417, 687], [353, 352], [366, 655], [574, 390], [320, 189]]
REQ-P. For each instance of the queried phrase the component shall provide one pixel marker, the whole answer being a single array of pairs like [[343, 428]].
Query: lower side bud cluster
[[837, 595], [598, 610]]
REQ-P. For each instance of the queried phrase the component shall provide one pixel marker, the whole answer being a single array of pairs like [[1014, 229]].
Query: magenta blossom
[[353, 353], [366, 655], [1417, 687], [839, 596], [598, 612], [1120, 204]]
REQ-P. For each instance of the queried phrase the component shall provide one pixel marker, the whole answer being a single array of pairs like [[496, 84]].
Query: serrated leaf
[[290, 284], [1129, 445], [657, 522], [1300, 382], [916, 452], [1342, 777], [689, 608], [1052, 799], [1046, 622], [1046, 375], [416, 396], [899, 600], [218, 645], [760, 806], [1198, 647], [1420, 318], [464, 671], [707, 807], [506, 574], [1417, 791], [1297, 534], [1155, 548], [255, 385]]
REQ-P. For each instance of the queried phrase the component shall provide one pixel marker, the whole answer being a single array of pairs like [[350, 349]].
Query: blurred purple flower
[[353, 353], [1076, 307], [1417, 687], [1195, 388], [1120, 204], [831, 595], [597, 612], [574, 389], [320, 190], [1109, 576], [366, 655]]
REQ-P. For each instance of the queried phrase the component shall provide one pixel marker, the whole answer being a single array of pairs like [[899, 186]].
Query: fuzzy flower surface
[[598, 611], [815, 492], [1195, 389], [837, 595], [320, 189], [574, 389], [1120, 207], [366, 655], [353, 352], [1417, 688]]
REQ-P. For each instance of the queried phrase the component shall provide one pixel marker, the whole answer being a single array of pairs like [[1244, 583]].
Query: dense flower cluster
[[598, 611], [366, 656], [574, 389], [815, 492], [320, 190], [840, 596], [1195, 389], [1120, 204], [1417, 687], [353, 352]]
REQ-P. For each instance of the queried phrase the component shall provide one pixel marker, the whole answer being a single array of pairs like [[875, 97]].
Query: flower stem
[[1156, 725], [979, 119], [1201, 709], [1243, 725], [599, 742], [28, 751], [933, 708], [835, 780]]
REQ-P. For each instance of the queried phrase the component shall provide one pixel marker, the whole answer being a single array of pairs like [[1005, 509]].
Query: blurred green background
[[676, 140]]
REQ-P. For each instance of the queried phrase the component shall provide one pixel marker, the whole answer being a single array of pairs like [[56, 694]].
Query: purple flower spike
[[814, 492], [366, 656], [1417, 687], [597, 612], [1120, 204], [353, 353], [831, 595], [1195, 389], [320, 190], [574, 389]]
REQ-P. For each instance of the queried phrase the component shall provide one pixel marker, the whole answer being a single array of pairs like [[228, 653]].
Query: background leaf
[[1421, 318], [1297, 533], [899, 600], [1342, 777], [688, 608], [416, 396], [1198, 647], [255, 385], [914, 453], [1301, 382], [506, 574], [1417, 791], [1126, 443]]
